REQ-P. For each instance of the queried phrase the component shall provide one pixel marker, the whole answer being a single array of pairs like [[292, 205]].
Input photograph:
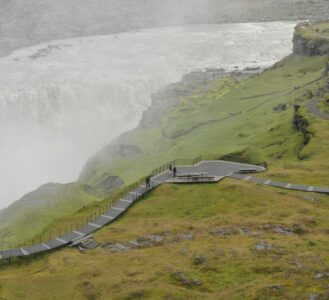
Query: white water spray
[[62, 101]]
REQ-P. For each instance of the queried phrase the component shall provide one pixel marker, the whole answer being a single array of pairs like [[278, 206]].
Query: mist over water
[[62, 101]]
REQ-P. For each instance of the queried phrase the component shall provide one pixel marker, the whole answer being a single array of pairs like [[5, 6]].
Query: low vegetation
[[232, 240]]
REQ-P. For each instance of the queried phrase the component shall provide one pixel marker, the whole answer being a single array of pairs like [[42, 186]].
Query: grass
[[231, 269], [232, 116], [317, 31]]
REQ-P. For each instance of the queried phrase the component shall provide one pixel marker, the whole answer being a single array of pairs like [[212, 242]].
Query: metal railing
[[101, 207]]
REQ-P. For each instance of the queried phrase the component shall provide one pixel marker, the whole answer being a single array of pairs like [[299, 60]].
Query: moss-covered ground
[[230, 117], [195, 260]]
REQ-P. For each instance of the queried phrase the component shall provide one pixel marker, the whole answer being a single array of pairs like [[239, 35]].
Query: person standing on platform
[[148, 182]]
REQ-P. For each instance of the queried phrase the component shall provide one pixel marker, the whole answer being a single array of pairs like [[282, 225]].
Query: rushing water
[[62, 101]]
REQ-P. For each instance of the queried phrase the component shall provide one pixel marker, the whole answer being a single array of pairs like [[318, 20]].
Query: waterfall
[[62, 101]]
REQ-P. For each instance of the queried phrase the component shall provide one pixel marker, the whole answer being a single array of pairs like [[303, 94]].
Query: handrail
[[110, 201]]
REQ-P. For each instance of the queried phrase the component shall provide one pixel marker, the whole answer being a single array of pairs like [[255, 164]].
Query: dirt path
[[312, 107]]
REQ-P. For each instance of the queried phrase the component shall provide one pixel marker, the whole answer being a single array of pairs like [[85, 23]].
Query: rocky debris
[[116, 247], [151, 240], [230, 230], [263, 246], [280, 107], [299, 229], [281, 229], [146, 241], [182, 278], [244, 230], [184, 236], [224, 231], [320, 296], [321, 275], [199, 260], [296, 263], [143, 242], [275, 287]]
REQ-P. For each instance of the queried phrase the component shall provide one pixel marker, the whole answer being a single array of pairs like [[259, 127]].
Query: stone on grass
[[263, 246], [199, 260], [275, 287], [224, 231], [182, 278]]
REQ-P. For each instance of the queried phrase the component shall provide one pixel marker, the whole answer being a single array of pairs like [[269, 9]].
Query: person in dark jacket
[[148, 182], [174, 171]]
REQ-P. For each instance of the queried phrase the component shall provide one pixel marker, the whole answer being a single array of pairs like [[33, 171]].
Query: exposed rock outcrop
[[311, 39]]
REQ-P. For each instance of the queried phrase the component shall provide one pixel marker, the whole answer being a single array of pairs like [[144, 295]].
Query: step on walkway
[[113, 213], [219, 169]]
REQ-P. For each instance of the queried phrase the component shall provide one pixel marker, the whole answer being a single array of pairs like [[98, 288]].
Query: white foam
[[62, 101]]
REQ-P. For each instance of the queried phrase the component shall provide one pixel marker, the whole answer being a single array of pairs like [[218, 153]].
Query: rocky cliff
[[311, 39]]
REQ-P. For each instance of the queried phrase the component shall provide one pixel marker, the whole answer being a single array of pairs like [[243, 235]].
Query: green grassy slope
[[28, 218], [208, 234], [317, 31], [229, 118], [234, 114], [207, 249], [265, 133]]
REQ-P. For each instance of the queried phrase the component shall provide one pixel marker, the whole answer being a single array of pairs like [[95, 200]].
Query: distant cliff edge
[[311, 39]]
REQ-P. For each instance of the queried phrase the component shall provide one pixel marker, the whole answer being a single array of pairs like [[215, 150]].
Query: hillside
[[231, 240], [249, 115]]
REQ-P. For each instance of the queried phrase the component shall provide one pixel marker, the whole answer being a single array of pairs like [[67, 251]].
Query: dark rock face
[[109, 184], [307, 47], [309, 41], [170, 95], [301, 124]]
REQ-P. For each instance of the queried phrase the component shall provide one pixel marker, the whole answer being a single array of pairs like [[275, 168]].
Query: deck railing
[[103, 206]]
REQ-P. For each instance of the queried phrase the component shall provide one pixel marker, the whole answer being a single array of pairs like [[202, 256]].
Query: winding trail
[[216, 168], [313, 107]]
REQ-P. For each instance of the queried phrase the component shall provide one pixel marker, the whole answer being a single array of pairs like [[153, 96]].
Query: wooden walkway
[[218, 169]]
